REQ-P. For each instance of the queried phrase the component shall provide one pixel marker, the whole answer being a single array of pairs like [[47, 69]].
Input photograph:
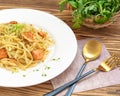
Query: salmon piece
[[13, 22], [3, 53], [28, 36], [38, 54], [42, 34]]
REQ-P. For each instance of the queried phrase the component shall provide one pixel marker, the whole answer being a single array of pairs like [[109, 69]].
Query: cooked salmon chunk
[[42, 34], [3, 53], [38, 54], [13, 22], [28, 36]]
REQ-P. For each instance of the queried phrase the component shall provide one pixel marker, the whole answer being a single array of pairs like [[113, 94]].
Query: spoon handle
[[59, 89], [71, 88]]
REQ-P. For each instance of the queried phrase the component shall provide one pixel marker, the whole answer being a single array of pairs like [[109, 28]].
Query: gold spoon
[[91, 51]]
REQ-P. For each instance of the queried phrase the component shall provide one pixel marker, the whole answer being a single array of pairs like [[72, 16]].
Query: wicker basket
[[88, 22]]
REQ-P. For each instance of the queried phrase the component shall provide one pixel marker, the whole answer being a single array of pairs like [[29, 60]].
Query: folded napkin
[[96, 80]]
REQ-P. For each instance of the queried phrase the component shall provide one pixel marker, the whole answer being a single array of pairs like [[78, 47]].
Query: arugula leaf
[[73, 4], [62, 4], [100, 10]]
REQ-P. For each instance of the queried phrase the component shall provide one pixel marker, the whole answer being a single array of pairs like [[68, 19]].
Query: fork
[[107, 65]]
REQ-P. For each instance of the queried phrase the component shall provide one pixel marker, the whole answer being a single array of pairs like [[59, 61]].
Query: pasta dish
[[22, 45]]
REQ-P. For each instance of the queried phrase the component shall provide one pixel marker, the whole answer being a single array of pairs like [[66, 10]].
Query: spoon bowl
[[92, 50]]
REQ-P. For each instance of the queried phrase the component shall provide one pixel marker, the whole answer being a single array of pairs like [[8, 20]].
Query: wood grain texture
[[110, 37]]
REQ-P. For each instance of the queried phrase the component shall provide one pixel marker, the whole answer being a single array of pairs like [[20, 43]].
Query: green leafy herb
[[47, 67], [44, 74], [100, 10], [35, 70], [14, 28], [24, 75], [62, 4], [56, 59]]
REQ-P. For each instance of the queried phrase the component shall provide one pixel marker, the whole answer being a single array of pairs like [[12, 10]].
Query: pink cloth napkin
[[96, 80]]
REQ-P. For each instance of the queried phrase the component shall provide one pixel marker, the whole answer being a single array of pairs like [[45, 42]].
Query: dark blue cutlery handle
[[59, 89], [70, 90]]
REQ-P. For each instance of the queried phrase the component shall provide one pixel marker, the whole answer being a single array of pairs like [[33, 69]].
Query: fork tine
[[113, 62], [118, 58], [109, 60]]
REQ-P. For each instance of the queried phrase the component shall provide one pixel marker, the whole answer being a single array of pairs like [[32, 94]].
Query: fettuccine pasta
[[22, 46]]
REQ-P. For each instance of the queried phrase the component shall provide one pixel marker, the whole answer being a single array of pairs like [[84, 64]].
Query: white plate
[[64, 50]]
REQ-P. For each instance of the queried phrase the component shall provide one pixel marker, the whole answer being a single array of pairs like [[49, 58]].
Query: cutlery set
[[91, 51]]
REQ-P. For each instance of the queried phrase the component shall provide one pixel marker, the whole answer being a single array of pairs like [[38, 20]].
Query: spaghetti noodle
[[22, 45]]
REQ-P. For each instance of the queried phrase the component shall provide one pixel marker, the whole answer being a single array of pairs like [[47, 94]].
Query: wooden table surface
[[110, 37]]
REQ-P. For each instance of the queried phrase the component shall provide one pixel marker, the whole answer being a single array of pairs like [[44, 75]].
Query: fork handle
[[70, 90], [59, 89]]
